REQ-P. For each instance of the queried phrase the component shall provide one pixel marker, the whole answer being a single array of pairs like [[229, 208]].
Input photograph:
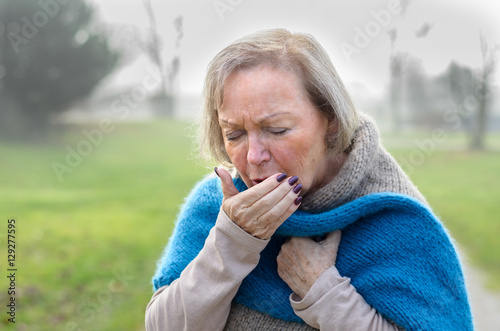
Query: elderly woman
[[260, 247]]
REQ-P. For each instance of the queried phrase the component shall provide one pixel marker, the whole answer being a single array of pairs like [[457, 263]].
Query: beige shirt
[[201, 298]]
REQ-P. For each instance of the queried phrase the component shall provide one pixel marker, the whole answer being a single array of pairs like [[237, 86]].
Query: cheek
[[302, 157], [292, 156], [237, 154]]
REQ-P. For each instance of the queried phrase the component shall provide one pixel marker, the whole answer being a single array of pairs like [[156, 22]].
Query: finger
[[292, 207], [332, 241], [280, 205], [333, 238], [271, 199], [256, 192], [226, 182], [270, 220]]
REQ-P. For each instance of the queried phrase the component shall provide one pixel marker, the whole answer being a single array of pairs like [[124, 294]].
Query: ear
[[331, 131], [333, 126]]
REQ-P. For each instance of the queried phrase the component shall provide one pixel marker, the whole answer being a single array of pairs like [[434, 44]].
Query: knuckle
[[281, 273], [237, 212], [266, 202], [274, 215], [254, 195], [285, 188]]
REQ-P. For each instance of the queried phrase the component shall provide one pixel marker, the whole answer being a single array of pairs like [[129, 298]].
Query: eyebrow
[[260, 121]]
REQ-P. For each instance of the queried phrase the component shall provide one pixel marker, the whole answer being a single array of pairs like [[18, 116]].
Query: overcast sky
[[455, 26]]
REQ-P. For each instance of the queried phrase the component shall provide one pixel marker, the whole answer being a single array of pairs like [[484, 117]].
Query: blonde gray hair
[[298, 52]]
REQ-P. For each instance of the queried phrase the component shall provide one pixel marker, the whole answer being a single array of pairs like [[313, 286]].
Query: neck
[[367, 169], [333, 166]]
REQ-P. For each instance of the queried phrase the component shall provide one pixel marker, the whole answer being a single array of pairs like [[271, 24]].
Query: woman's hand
[[302, 260], [261, 209]]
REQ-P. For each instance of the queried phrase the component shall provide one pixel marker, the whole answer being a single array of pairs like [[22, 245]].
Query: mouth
[[258, 180]]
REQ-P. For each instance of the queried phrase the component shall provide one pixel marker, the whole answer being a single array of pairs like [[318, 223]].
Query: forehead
[[264, 85]]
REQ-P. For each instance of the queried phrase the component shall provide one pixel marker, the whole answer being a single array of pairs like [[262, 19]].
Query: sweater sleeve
[[332, 303], [200, 299]]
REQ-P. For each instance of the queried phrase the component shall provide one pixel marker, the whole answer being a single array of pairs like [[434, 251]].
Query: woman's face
[[269, 125]]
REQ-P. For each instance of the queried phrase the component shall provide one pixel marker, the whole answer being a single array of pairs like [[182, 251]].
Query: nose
[[258, 151]]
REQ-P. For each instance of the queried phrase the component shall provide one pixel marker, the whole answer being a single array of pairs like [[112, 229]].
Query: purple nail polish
[[293, 180], [298, 200], [281, 177], [215, 169], [297, 188]]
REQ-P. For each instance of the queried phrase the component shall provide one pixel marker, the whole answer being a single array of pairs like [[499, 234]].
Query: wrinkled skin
[[270, 127]]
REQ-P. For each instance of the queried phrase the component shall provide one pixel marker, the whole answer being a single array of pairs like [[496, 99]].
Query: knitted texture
[[368, 169], [397, 254], [244, 318]]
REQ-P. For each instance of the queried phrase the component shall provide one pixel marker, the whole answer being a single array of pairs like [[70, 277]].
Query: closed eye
[[234, 135], [278, 131]]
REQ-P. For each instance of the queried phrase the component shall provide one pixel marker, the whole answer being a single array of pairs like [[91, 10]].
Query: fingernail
[[297, 188], [293, 180], [298, 200], [280, 178], [215, 169]]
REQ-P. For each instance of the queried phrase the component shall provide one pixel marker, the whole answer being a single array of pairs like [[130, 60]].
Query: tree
[[483, 93], [470, 94], [397, 67], [460, 82], [164, 100], [418, 98], [53, 53], [396, 71]]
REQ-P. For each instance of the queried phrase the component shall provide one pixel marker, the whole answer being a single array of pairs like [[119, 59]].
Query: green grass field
[[86, 245], [463, 188]]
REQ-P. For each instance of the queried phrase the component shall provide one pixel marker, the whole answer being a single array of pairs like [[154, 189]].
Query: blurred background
[[98, 102]]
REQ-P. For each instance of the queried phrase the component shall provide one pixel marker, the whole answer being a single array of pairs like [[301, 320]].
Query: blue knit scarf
[[396, 252]]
